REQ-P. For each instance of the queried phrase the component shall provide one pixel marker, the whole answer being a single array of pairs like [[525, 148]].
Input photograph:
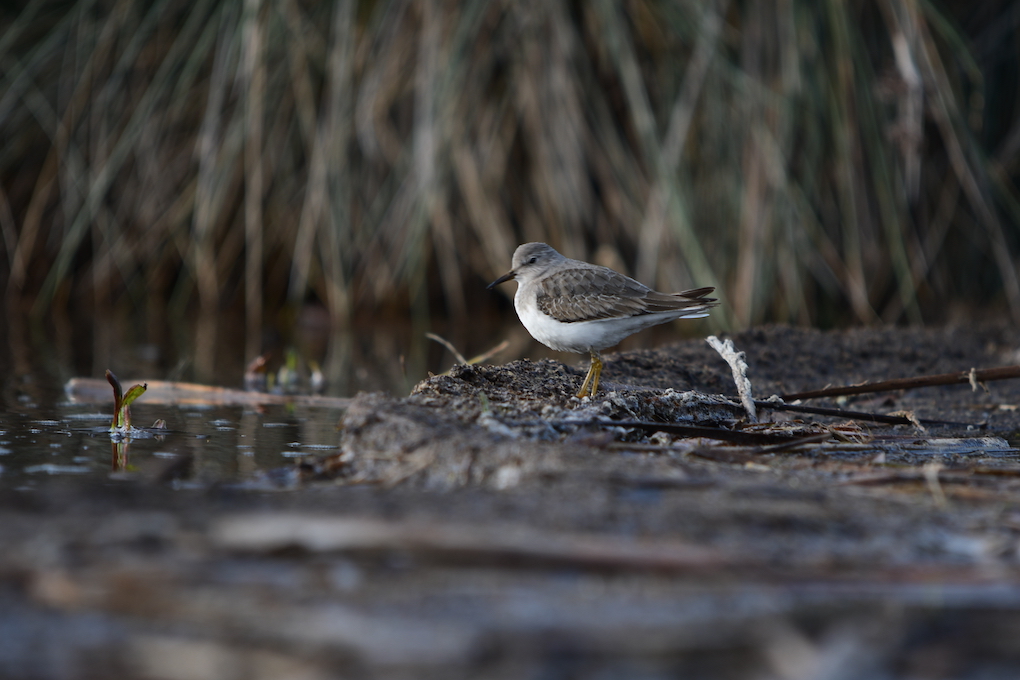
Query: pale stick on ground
[[739, 367]]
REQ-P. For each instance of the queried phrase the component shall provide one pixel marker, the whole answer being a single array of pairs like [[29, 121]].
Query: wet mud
[[492, 525]]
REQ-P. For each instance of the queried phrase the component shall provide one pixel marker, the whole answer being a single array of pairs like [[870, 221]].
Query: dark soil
[[492, 525]]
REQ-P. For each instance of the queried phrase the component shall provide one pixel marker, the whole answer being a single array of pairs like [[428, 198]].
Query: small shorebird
[[574, 306]]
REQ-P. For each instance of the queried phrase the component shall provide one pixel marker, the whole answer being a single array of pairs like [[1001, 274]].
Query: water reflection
[[43, 433], [389, 355]]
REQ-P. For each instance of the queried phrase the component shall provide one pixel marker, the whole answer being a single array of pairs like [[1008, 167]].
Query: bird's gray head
[[530, 260]]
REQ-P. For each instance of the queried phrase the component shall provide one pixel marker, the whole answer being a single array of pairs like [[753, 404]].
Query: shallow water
[[217, 444], [46, 433]]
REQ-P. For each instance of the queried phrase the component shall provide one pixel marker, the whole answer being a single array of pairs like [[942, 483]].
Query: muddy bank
[[490, 524]]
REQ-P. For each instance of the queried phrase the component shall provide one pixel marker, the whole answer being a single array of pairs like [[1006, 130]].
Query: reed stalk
[[820, 162]]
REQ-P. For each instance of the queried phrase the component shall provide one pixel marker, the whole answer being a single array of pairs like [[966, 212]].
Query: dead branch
[[972, 376], [317, 533]]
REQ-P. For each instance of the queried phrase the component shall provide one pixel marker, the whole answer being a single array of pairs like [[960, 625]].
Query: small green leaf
[[124, 414], [135, 392]]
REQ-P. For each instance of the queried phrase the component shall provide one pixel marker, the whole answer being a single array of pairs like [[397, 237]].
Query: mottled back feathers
[[591, 292]]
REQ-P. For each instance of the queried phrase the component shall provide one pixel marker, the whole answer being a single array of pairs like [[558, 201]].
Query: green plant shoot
[[122, 402]]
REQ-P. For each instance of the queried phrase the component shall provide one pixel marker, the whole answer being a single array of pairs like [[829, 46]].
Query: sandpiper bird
[[574, 306]]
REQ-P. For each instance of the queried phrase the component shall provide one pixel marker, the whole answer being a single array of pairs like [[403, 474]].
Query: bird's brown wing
[[586, 294]]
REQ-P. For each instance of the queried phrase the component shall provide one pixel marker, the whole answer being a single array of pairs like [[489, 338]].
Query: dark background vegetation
[[821, 162]]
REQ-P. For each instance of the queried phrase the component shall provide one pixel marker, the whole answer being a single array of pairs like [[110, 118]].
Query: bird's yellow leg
[[583, 392], [596, 365], [592, 379]]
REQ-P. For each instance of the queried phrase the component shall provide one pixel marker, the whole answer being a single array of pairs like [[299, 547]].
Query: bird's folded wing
[[572, 295]]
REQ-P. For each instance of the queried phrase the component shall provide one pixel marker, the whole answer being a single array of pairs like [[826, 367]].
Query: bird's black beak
[[506, 277]]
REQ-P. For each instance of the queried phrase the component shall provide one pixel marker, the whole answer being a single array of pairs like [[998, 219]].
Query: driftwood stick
[[96, 391], [268, 533], [972, 376]]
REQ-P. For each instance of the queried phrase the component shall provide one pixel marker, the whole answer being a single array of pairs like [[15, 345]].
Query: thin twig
[[460, 360], [448, 345], [961, 377], [721, 434], [793, 443], [855, 415], [485, 356]]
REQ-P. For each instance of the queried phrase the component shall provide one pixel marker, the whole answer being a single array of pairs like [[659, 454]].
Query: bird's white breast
[[584, 336]]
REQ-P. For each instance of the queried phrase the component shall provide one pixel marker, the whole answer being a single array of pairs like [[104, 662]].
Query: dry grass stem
[[818, 163]]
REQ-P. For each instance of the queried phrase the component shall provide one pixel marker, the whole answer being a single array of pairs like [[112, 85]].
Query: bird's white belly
[[583, 336]]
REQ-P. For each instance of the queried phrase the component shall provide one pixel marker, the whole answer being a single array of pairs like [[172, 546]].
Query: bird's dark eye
[[533, 260]]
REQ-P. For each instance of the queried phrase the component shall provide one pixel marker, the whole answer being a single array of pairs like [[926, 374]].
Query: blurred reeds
[[820, 161]]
